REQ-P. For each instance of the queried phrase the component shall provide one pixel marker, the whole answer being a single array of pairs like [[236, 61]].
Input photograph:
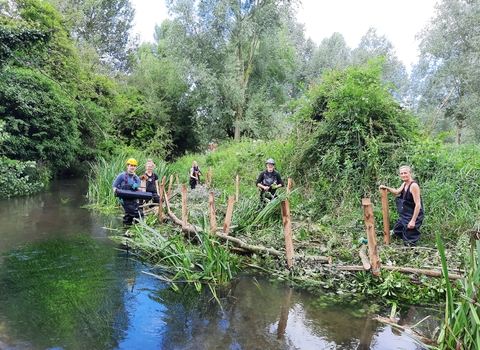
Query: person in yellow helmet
[[128, 180]]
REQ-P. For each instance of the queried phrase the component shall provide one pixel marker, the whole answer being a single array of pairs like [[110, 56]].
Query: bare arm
[[392, 190]]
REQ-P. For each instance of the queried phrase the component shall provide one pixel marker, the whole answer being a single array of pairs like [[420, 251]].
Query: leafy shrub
[[21, 178]]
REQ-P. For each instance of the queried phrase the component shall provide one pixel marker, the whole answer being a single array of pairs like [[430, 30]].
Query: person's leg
[[130, 213]]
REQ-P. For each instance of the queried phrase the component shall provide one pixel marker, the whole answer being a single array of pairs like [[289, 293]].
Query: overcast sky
[[399, 21]]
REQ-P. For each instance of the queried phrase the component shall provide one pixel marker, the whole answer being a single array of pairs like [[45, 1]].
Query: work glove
[[135, 186], [274, 187], [120, 200]]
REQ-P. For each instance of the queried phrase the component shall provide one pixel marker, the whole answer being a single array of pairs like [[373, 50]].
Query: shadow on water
[[64, 286]]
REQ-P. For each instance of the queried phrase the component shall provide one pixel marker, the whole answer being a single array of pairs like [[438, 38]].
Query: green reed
[[103, 174], [461, 326], [203, 259]]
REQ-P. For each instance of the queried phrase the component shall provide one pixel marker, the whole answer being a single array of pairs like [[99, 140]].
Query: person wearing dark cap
[[269, 181]]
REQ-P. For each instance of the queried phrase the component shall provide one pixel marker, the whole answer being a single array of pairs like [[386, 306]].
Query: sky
[[399, 21]]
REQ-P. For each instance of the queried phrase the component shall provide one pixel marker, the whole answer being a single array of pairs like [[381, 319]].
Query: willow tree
[[448, 73], [220, 41]]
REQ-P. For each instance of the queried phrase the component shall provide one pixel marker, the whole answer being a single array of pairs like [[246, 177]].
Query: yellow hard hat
[[132, 161]]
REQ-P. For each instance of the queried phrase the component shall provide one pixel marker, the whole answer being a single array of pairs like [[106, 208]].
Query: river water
[[64, 284]]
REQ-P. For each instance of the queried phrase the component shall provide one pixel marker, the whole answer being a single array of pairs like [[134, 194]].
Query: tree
[[221, 40], [104, 25], [163, 121], [449, 65], [372, 45], [332, 53], [40, 117]]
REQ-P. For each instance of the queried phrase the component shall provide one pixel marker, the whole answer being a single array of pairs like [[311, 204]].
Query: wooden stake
[[143, 186], [287, 232], [228, 216], [236, 188], [371, 236], [289, 187], [164, 180], [184, 207], [160, 204], [170, 186], [386, 218], [178, 181], [213, 214]]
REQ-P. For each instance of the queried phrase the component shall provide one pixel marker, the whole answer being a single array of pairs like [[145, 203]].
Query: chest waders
[[130, 206], [267, 196], [406, 207], [152, 188]]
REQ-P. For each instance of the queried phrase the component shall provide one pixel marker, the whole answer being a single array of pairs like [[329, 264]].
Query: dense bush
[[21, 178]]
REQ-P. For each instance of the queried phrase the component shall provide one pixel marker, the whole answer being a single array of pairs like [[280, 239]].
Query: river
[[64, 284]]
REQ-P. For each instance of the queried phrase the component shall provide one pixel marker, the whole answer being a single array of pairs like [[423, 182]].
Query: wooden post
[[170, 187], [228, 216], [213, 214], [184, 207], [164, 180], [178, 181], [160, 202], [386, 218], [289, 187], [209, 176], [371, 236], [167, 203], [287, 232], [143, 186], [236, 188]]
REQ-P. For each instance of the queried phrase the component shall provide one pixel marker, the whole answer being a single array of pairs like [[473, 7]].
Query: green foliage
[[21, 178], [461, 327], [208, 261], [40, 118]]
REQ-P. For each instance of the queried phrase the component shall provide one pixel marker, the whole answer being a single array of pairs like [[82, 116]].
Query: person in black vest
[[409, 206], [195, 174], [269, 181], [128, 180], [151, 180]]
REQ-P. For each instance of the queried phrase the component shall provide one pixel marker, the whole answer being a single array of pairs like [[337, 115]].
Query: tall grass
[[104, 171], [461, 326]]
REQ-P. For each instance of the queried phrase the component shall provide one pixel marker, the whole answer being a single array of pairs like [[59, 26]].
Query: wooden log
[[251, 248], [228, 215], [364, 258], [289, 187], [160, 203], [287, 232], [170, 186], [386, 218], [213, 214], [184, 207], [431, 273], [237, 180], [371, 236]]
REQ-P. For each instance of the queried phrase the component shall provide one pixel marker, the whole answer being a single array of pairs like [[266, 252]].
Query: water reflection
[[63, 286]]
